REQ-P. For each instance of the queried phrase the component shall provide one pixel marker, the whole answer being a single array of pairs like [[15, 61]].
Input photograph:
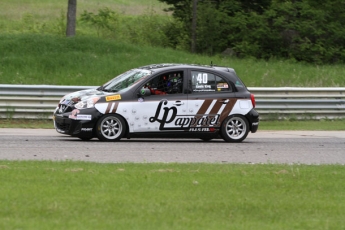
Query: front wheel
[[111, 127], [235, 128]]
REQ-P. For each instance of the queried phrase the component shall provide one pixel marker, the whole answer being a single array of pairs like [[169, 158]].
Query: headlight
[[90, 103]]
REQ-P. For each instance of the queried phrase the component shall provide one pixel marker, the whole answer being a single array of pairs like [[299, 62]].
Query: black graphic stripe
[[216, 107], [201, 112], [204, 107], [108, 108], [227, 109]]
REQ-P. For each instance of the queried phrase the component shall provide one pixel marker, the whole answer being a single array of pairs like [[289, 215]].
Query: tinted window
[[167, 83], [208, 82]]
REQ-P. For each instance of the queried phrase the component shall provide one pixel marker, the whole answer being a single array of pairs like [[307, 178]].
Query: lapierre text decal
[[203, 120], [164, 120], [182, 122]]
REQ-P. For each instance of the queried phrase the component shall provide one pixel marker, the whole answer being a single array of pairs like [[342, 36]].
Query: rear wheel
[[235, 128], [110, 127]]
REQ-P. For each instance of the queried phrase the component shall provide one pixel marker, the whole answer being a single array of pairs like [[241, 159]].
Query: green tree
[[307, 31], [303, 30]]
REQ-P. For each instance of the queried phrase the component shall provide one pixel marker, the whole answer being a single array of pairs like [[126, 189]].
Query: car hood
[[81, 95]]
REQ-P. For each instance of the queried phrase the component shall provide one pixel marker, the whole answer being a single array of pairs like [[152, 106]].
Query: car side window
[[167, 83], [208, 82]]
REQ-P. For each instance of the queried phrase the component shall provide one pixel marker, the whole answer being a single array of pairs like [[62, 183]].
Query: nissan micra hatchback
[[162, 101]]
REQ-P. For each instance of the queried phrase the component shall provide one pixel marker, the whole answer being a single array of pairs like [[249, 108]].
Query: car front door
[[165, 108]]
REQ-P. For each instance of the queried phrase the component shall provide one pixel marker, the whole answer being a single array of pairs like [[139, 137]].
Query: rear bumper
[[253, 119]]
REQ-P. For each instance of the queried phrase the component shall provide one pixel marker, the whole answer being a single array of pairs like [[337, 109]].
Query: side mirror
[[144, 92]]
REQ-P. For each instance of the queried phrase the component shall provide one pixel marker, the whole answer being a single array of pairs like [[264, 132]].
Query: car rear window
[[208, 82]]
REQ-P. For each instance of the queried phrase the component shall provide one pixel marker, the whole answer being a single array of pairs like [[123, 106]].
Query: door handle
[[224, 101], [178, 103]]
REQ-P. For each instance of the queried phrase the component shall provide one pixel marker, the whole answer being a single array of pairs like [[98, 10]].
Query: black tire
[[110, 127], [235, 128]]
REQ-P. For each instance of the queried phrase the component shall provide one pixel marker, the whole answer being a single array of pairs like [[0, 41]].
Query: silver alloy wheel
[[236, 128], [111, 127]]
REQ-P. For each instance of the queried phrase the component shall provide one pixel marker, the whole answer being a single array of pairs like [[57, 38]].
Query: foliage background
[[114, 35], [303, 30], [309, 31]]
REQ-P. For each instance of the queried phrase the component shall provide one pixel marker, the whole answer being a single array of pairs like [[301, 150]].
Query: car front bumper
[[80, 125]]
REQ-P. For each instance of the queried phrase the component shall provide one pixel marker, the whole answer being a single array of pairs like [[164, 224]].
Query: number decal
[[205, 78], [198, 78], [202, 78]]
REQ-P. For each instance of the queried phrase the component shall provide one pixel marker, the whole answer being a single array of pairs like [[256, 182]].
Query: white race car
[[162, 100]]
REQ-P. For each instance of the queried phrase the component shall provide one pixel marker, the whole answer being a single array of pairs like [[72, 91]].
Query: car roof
[[172, 66]]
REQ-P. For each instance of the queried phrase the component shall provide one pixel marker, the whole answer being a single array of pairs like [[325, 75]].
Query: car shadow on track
[[143, 140]]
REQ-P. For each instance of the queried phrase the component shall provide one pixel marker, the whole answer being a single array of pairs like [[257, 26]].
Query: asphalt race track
[[290, 147]]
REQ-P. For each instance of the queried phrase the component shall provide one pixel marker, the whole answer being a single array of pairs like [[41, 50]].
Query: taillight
[[252, 98]]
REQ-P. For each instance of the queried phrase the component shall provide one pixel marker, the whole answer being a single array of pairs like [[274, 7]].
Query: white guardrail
[[39, 101]]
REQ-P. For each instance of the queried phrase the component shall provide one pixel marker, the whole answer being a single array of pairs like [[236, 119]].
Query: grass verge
[[308, 125], [85, 60], [26, 124], [78, 195]]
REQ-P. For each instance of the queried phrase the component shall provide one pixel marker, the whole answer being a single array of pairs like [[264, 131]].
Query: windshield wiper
[[108, 90], [102, 88]]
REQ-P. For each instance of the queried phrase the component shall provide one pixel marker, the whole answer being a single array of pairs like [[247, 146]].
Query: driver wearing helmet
[[160, 90], [174, 83]]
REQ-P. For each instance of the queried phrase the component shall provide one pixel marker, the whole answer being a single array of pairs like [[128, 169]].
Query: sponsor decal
[[203, 120], [222, 85], [255, 123], [140, 99], [168, 115], [86, 129], [84, 117], [113, 97], [165, 119], [203, 86], [76, 116], [202, 129], [203, 90]]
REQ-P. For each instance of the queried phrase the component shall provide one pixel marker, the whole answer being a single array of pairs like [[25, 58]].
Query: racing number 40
[[202, 78]]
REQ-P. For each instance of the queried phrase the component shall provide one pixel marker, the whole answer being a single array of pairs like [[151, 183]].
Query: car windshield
[[125, 80]]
